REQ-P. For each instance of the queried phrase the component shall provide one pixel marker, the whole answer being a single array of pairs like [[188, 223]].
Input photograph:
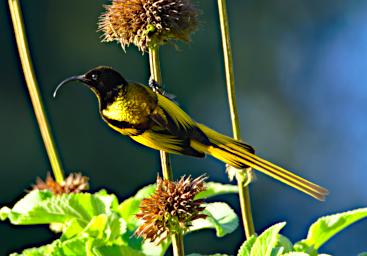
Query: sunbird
[[156, 121]]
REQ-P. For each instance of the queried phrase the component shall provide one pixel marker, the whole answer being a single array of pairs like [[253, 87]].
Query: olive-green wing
[[173, 130], [179, 117]]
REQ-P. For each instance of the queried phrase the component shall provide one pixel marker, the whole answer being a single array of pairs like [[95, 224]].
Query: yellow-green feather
[[139, 105], [175, 112], [237, 154], [158, 139]]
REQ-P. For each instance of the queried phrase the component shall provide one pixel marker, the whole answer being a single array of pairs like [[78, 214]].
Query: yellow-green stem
[[29, 75], [177, 244], [155, 71], [228, 64]]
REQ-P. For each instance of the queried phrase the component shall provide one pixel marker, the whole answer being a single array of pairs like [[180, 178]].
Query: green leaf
[[96, 226], [145, 191], [106, 227], [4, 213], [82, 245], [89, 222], [41, 251], [282, 246], [362, 254], [215, 189], [108, 199], [75, 246], [284, 242], [116, 250], [245, 248], [326, 227], [216, 254], [301, 247], [72, 247], [115, 227], [72, 228], [295, 254], [25, 204], [277, 251], [128, 209], [219, 216], [150, 249], [42, 207], [265, 243]]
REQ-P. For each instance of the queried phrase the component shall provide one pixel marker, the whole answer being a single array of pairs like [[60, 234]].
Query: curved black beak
[[80, 78]]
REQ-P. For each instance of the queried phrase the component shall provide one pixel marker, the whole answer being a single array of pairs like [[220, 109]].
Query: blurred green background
[[300, 71]]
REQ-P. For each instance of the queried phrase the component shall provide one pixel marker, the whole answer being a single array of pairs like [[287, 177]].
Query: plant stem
[[177, 244], [228, 63], [29, 75], [155, 71]]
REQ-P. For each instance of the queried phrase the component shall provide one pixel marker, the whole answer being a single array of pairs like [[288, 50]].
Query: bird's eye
[[94, 77]]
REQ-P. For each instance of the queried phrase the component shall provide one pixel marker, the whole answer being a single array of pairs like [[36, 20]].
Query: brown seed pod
[[74, 183], [148, 23], [171, 209]]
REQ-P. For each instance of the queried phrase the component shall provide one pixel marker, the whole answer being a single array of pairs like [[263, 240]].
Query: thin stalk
[[228, 64], [16, 15], [178, 246], [155, 71]]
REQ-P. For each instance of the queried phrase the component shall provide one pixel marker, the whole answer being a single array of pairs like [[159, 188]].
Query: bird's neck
[[107, 98]]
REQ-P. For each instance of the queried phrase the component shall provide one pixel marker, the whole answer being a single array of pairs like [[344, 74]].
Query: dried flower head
[[74, 183], [148, 23], [171, 208]]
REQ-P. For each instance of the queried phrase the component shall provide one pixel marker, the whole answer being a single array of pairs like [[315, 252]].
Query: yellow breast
[[130, 108]]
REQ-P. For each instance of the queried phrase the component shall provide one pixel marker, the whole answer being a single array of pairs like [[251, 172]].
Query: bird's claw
[[157, 88], [245, 175]]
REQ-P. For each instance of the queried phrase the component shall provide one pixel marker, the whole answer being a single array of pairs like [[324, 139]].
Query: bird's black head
[[100, 80]]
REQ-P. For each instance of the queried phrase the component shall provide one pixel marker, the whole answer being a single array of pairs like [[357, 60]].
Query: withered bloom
[[171, 208], [74, 183], [148, 23]]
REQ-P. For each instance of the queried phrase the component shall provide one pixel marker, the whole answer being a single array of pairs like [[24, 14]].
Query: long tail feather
[[237, 154]]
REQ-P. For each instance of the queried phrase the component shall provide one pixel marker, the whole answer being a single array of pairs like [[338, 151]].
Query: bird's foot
[[157, 88], [245, 175]]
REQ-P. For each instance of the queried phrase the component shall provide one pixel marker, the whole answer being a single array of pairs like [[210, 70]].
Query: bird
[[156, 121]]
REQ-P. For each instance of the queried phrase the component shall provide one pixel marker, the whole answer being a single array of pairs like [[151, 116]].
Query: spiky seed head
[[48, 184], [74, 183], [171, 209], [148, 23]]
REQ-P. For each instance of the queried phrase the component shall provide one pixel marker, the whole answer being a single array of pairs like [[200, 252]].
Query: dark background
[[300, 70]]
